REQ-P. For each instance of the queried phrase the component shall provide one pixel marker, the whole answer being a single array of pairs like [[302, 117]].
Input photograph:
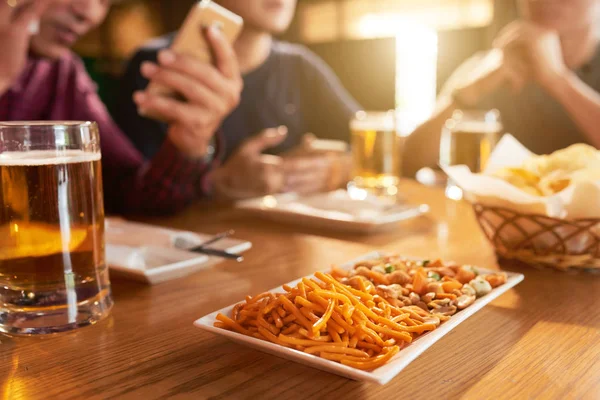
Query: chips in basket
[[547, 175], [542, 210]]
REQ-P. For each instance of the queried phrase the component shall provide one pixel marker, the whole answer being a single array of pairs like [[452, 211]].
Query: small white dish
[[381, 375], [333, 210], [148, 254]]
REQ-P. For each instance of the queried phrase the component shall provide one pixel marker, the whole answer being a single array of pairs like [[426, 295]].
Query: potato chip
[[550, 174], [571, 159], [520, 178]]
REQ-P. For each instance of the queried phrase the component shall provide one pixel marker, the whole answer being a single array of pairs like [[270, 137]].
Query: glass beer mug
[[469, 138], [53, 275], [377, 153]]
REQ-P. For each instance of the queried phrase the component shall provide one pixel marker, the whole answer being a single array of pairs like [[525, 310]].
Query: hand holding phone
[[191, 39], [206, 92]]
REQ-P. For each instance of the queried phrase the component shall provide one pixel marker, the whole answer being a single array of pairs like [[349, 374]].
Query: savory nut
[[438, 303], [389, 292], [445, 310], [445, 271], [414, 298], [399, 277], [435, 287], [496, 280], [434, 264], [464, 301], [481, 286], [354, 282], [362, 270], [422, 305], [428, 297], [465, 275], [468, 290], [379, 268]]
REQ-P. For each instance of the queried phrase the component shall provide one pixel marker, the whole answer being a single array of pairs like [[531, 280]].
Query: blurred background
[[377, 47]]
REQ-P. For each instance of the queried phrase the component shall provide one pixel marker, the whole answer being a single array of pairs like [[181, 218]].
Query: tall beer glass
[[377, 153], [53, 275], [468, 138]]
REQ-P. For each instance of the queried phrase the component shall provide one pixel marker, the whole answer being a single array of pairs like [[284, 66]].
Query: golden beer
[[469, 139], [377, 153], [53, 275]]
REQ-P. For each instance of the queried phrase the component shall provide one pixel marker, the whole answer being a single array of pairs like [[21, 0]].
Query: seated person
[[41, 79], [285, 86], [543, 76]]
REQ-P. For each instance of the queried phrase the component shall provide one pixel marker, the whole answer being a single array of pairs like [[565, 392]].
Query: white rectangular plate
[[381, 375], [333, 211], [147, 253]]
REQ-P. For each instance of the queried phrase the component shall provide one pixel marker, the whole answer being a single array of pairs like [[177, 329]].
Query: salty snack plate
[[385, 368]]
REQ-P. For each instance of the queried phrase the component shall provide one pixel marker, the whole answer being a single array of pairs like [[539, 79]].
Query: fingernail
[[272, 133], [34, 27], [148, 69], [139, 97], [215, 29], [166, 57], [282, 130]]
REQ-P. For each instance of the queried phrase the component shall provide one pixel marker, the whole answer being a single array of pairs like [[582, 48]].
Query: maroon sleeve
[[132, 185]]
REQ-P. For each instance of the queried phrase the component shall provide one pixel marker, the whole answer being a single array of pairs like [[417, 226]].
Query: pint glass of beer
[[53, 275], [468, 138], [377, 153]]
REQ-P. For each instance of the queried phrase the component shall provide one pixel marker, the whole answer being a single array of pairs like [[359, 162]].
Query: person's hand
[[536, 49], [308, 171], [248, 172], [497, 68], [15, 33], [210, 92], [521, 52]]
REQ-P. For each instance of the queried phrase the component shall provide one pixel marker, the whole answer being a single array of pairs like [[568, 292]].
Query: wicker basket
[[541, 241]]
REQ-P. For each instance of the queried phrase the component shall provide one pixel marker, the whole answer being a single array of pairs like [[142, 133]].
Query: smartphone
[[190, 39]]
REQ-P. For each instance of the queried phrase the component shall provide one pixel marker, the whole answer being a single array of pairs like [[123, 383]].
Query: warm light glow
[[364, 19], [454, 193], [269, 202], [416, 74]]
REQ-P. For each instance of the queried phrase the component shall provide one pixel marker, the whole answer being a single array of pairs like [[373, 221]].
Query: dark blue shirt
[[293, 87]]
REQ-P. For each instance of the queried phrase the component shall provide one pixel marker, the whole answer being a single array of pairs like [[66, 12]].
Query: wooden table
[[540, 340]]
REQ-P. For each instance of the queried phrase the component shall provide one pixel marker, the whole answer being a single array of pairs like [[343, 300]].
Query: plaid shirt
[[62, 90]]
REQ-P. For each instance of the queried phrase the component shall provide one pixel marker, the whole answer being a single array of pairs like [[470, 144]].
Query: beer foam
[[478, 127], [373, 124], [46, 157]]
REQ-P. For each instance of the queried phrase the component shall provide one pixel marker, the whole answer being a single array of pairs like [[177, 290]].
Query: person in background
[[41, 79], [288, 91], [543, 75]]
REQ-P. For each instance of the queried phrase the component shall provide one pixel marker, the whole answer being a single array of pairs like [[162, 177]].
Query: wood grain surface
[[541, 340]]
